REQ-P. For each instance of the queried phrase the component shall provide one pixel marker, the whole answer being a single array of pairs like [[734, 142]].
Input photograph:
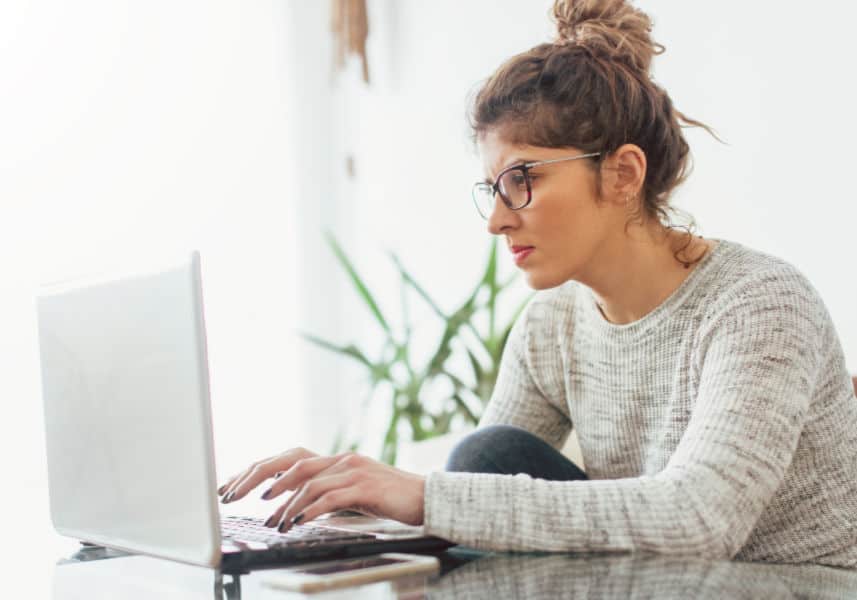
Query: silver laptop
[[127, 415]]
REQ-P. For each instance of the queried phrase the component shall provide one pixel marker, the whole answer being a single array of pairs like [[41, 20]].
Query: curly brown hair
[[591, 89]]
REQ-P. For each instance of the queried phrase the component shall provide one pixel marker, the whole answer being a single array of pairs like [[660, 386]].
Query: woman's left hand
[[325, 484]]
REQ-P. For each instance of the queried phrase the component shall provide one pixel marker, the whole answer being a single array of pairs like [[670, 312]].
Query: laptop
[[128, 416]]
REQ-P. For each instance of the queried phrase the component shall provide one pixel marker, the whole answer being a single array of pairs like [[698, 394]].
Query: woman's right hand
[[238, 486]]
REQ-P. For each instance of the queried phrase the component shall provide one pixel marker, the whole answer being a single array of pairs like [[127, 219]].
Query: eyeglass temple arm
[[556, 160]]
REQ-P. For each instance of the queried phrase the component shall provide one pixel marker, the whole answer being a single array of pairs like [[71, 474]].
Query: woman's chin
[[542, 281]]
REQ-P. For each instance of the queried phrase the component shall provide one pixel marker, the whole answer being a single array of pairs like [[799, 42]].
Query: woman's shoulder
[[742, 268], [739, 262], [745, 280]]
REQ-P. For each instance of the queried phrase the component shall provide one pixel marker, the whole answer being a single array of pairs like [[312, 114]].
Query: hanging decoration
[[350, 26]]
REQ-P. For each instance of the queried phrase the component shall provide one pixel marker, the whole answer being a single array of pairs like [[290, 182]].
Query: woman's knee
[[483, 450], [507, 450]]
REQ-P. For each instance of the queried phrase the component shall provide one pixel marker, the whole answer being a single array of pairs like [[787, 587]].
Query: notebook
[[127, 411]]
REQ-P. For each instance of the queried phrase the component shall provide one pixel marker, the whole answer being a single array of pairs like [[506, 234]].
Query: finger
[[309, 493], [222, 489], [336, 499], [277, 516], [228, 483], [233, 481], [302, 471], [262, 470], [343, 463], [254, 475]]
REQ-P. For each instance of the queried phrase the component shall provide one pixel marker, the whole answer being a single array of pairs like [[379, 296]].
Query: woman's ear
[[625, 173]]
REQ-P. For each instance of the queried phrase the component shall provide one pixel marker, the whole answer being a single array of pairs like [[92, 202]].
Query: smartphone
[[350, 571]]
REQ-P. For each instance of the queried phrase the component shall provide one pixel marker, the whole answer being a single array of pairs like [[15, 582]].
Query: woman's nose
[[502, 217]]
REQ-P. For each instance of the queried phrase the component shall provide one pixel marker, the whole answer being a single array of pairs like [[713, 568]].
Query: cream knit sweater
[[721, 424]]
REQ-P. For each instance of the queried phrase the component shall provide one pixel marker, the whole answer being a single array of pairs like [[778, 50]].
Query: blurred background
[[131, 131]]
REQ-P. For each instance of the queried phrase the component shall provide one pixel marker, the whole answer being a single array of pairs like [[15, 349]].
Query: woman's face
[[564, 228]]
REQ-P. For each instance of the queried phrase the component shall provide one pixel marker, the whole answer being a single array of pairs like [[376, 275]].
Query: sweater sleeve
[[518, 398], [757, 355]]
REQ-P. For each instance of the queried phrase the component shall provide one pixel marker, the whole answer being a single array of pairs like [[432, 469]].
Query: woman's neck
[[640, 271]]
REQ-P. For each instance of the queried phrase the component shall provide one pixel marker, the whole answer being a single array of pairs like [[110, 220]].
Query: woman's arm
[[759, 362], [327, 483], [518, 399]]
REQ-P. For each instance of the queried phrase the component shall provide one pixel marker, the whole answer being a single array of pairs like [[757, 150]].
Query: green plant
[[395, 370]]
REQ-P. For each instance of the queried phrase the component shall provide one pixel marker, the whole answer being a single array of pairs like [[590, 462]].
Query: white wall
[[135, 130], [774, 80]]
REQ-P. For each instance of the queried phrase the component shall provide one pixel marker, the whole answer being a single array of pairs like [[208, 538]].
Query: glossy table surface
[[465, 574]]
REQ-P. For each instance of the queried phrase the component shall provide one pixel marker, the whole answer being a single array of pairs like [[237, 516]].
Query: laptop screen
[[127, 413]]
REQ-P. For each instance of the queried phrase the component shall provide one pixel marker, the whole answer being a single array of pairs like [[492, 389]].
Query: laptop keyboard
[[251, 533]]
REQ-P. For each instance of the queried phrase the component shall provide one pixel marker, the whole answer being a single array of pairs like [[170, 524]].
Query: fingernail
[[267, 493], [228, 497], [297, 519], [282, 527], [221, 489], [280, 474], [268, 522]]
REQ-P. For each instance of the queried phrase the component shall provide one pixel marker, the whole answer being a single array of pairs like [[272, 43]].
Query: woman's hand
[[324, 484]]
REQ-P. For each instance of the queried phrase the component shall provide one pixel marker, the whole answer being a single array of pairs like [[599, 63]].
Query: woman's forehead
[[498, 153]]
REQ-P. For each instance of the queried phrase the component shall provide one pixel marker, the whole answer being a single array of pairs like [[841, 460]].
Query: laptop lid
[[127, 414]]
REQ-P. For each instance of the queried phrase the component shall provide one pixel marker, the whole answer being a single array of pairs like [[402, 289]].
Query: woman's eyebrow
[[511, 163], [514, 162]]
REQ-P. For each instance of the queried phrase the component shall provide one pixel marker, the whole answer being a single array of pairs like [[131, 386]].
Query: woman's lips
[[521, 253]]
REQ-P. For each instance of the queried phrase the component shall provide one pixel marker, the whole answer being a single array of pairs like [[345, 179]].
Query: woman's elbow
[[722, 539]]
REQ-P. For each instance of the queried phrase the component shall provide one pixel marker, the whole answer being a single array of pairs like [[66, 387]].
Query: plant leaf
[[497, 346], [377, 371], [349, 350], [388, 450], [406, 312], [490, 280], [338, 441], [507, 283], [453, 324], [490, 275], [406, 277], [463, 408], [477, 366], [357, 281], [441, 423]]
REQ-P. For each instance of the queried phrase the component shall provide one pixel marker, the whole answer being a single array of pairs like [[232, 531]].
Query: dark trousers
[[507, 450]]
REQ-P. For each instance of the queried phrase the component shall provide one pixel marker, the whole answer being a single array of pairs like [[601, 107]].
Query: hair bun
[[610, 26]]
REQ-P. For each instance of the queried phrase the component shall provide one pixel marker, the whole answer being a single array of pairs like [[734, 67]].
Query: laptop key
[[250, 533]]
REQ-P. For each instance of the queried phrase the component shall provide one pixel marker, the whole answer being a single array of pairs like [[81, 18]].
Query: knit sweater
[[722, 424]]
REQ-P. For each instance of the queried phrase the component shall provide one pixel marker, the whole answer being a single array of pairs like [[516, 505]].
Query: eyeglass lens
[[513, 187]]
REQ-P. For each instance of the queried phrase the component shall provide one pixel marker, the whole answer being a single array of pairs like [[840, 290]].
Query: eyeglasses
[[513, 185]]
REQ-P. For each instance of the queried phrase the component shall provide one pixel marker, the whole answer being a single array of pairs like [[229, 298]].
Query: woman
[[705, 380]]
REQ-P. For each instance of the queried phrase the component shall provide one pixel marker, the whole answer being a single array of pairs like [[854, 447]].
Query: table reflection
[[89, 574], [472, 576], [638, 576]]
